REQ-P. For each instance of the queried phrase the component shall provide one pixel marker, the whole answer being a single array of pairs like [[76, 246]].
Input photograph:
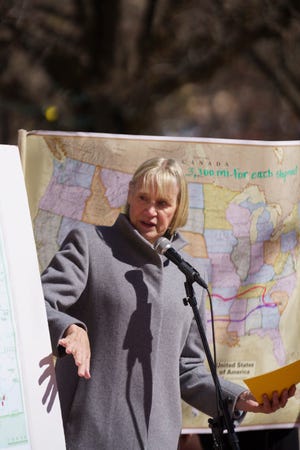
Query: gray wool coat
[[146, 349]]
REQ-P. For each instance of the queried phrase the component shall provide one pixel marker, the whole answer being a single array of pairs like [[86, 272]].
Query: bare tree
[[205, 67]]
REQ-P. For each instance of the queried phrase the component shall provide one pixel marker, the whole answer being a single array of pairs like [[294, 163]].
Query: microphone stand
[[223, 421]]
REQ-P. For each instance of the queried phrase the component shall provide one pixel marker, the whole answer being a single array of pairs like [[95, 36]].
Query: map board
[[243, 218], [30, 416]]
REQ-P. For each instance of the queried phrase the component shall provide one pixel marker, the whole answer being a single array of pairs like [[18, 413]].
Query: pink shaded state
[[239, 218], [223, 271], [116, 184], [275, 337], [286, 284], [237, 315], [68, 201]]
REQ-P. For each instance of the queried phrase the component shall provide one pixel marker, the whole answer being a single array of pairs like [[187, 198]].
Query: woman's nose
[[151, 209]]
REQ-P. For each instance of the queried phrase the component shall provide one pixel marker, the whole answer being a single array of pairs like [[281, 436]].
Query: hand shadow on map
[[51, 389]]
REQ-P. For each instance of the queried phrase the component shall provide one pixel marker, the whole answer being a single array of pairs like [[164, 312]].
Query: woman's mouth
[[147, 224]]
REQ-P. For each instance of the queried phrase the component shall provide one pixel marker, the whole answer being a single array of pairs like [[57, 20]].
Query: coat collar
[[124, 227]]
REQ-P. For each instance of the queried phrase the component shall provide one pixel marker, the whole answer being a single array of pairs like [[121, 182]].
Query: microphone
[[163, 247]]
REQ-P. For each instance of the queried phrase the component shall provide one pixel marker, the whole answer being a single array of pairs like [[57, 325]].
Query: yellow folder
[[277, 380]]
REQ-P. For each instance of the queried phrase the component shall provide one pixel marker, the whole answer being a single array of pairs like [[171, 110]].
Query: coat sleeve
[[196, 382], [63, 281]]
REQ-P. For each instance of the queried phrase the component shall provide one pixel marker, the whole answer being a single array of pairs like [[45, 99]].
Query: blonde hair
[[161, 172]]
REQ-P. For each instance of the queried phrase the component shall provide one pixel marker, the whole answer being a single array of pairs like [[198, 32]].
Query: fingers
[[246, 401], [265, 407], [82, 361], [76, 343], [284, 398], [277, 401], [270, 405], [286, 394], [292, 391]]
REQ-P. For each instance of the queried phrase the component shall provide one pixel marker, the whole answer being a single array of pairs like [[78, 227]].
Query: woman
[[115, 309]]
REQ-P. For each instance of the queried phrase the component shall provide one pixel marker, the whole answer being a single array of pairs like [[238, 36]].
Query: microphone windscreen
[[161, 245]]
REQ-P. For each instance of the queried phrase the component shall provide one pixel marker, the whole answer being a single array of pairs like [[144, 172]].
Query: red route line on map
[[264, 303]]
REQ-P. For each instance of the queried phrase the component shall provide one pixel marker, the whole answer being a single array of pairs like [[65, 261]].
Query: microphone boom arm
[[191, 273], [163, 247]]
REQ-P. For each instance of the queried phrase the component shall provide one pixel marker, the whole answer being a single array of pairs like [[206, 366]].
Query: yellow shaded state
[[97, 209], [217, 200], [292, 222], [280, 262], [197, 246], [281, 299], [223, 335]]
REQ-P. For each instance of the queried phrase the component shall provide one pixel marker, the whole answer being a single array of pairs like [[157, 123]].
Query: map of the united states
[[243, 219]]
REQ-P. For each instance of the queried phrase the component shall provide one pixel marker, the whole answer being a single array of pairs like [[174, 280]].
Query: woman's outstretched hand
[[247, 402], [76, 343]]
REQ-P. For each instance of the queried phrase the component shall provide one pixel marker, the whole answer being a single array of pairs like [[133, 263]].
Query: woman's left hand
[[247, 402]]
